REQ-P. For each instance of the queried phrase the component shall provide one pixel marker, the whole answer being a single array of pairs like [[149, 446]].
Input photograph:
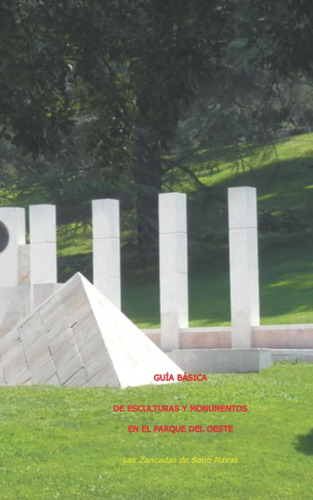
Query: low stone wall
[[283, 336], [266, 336], [304, 355]]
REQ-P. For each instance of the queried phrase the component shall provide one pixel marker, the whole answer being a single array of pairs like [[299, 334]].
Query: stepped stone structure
[[77, 337]]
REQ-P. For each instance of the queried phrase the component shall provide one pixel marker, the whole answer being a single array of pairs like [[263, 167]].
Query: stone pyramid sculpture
[[14, 306], [77, 337]]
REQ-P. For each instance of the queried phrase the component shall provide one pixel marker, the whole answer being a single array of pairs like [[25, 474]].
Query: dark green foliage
[[284, 31], [122, 72], [276, 221], [107, 98]]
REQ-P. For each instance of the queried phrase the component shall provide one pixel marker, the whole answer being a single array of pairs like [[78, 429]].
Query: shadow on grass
[[305, 443]]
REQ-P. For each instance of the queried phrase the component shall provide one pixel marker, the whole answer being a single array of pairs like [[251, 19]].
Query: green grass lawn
[[286, 288], [69, 444]]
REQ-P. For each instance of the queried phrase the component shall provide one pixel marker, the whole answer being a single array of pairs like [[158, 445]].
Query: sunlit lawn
[[69, 444]]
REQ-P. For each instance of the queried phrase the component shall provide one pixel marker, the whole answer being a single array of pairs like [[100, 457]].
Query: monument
[[77, 337]]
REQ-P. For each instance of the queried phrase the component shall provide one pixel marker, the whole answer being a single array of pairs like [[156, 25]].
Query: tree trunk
[[148, 176]]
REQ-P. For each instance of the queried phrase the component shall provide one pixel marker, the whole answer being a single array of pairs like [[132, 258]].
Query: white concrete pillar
[[173, 268], [12, 235], [106, 248], [43, 256], [244, 267]]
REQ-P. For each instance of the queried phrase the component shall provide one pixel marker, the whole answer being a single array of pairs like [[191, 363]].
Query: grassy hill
[[284, 181]]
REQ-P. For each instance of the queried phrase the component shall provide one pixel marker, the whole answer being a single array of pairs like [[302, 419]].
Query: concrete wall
[[266, 337]]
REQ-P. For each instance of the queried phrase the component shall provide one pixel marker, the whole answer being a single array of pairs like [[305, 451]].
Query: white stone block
[[24, 264], [106, 249], [14, 365], [43, 263], [244, 267], [174, 298], [14, 306], [41, 292], [173, 268], [172, 210], [79, 379], [42, 223], [105, 218], [173, 248], [7, 297], [242, 208], [106, 258], [43, 256]]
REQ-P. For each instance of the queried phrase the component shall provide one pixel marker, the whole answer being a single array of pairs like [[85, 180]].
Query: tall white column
[[43, 256], [12, 235], [106, 248], [244, 267], [173, 268]]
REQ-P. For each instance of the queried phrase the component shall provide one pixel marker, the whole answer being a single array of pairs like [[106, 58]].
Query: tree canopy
[[105, 94]]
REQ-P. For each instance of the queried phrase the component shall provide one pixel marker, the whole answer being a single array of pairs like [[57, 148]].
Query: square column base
[[222, 360]]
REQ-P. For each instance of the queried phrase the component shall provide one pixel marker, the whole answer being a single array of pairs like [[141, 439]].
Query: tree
[[123, 71], [99, 92], [283, 35]]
